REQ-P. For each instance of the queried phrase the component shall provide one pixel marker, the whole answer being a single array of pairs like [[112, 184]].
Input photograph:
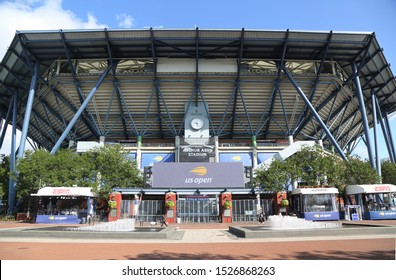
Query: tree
[[388, 172], [358, 172], [114, 169], [101, 169], [275, 178], [311, 166]]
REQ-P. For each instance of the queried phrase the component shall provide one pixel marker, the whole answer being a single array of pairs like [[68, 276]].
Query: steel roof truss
[[284, 113], [92, 125], [271, 109], [39, 120], [121, 98], [343, 111], [349, 123], [314, 112], [80, 110], [11, 73], [328, 116], [304, 112], [48, 122], [26, 54]]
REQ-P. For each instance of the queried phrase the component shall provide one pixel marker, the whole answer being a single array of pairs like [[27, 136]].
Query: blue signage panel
[[383, 215], [322, 216], [58, 219], [148, 159], [198, 175], [245, 158], [261, 157]]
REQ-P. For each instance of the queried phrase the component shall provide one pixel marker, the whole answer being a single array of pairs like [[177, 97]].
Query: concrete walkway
[[197, 242]]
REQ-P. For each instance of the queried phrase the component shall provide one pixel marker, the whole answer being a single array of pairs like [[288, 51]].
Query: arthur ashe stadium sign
[[198, 175]]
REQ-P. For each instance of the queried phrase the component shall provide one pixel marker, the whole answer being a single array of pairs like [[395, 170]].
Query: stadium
[[205, 101]]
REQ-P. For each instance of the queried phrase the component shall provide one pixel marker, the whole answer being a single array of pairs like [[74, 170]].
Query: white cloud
[[38, 15], [125, 21]]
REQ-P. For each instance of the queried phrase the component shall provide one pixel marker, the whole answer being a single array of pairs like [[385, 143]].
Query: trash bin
[[355, 217], [178, 220]]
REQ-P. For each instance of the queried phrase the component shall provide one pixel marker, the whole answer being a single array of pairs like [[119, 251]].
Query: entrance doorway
[[197, 209]]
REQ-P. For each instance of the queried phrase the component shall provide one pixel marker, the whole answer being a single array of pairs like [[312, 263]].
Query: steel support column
[[7, 121], [377, 158], [313, 111], [363, 113], [385, 132], [80, 110], [390, 135], [28, 111], [11, 181]]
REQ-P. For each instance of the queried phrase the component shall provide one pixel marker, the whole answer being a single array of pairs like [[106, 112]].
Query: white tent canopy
[[314, 190], [374, 188]]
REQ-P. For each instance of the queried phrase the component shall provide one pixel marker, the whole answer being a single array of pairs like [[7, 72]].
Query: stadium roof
[[155, 72]]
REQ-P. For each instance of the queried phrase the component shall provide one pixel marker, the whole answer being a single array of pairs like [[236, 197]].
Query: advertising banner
[[57, 219], [383, 215], [198, 175], [148, 159], [245, 158], [322, 216]]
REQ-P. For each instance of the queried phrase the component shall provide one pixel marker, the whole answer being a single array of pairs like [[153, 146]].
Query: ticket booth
[[63, 205]]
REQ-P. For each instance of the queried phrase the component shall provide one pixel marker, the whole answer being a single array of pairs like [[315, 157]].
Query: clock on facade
[[196, 123]]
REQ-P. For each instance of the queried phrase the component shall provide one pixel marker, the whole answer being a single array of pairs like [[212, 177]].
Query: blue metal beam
[[317, 78], [28, 111], [117, 90], [386, 117], [362, 107], [80, 110], [122, 100], [277, 82], [313, 111], [7, 121], [12, 182], [385, 132], [92, 125], [237, 87], [377, 158]]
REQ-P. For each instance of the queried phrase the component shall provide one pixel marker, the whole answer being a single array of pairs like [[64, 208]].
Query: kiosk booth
[[316, 204], [63, 205], [377, 201]]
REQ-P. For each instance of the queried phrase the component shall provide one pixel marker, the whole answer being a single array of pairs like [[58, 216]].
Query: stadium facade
[[197, 98]]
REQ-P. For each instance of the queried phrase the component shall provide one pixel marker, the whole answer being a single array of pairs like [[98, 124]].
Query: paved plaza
[[196, 242]]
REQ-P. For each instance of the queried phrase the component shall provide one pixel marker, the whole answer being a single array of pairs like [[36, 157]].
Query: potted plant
[[284, 202], [227, 204], [170, 204], [112, 203]]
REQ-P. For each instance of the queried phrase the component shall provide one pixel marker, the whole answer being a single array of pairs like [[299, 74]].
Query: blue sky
[[337, 15]]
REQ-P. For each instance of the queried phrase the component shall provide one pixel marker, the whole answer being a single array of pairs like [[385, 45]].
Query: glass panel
[[319, 202]]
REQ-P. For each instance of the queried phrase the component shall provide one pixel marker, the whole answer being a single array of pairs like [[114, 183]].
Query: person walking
[[163, 221], [261, 217]]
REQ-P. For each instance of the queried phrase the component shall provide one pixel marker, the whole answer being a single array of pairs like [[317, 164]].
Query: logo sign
[[322, 216], [382, 188], [198, 175], [196, 154], [383, 215]]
